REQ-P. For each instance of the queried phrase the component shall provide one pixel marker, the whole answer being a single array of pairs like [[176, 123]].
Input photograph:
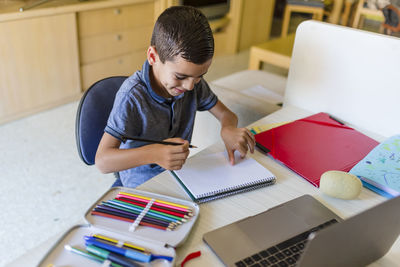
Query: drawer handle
[[118, 37], [117, 11]]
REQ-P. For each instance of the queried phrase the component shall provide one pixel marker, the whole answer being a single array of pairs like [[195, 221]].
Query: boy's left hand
[[240, 139]]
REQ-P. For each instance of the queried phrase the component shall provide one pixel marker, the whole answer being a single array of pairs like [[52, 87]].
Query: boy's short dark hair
[[184, 31]]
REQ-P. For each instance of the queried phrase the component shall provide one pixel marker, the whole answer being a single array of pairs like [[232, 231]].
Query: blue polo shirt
[[139, 112]]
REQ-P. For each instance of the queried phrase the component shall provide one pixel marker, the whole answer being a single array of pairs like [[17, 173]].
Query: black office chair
[[92, 115]]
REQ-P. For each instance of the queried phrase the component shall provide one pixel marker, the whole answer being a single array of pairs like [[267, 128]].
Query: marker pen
[[110, 256], [132, 254]]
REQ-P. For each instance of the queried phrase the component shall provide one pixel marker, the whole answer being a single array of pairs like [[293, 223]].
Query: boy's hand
[[172, 157], [240, 139]]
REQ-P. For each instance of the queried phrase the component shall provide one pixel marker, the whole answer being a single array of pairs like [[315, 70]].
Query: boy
[[160, 102]]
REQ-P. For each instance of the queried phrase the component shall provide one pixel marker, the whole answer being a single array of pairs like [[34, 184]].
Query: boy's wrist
[[227, 128], [149, 154], [226, 131]]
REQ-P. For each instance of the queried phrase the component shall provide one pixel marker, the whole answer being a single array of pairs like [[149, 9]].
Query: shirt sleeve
[[123, 120], [206, 99]]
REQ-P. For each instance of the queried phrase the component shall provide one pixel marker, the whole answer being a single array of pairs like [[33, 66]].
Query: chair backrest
[[92, 115], [349, 73]]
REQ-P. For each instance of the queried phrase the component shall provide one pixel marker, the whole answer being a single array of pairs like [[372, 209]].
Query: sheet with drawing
[[210, 176], [381, 167]]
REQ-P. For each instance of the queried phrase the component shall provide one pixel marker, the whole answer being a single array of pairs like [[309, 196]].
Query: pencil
[[137, 209], [115, 241], [159, 202], [126, 215], [124, 212], [150, 216], [155, 141], [153, 207], [129, 220]]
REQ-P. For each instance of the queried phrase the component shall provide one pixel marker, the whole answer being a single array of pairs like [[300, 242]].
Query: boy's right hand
[[172, 157]]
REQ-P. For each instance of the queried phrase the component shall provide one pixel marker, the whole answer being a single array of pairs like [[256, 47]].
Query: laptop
[[303, 232]]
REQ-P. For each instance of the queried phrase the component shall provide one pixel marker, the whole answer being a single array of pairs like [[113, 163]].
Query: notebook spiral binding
[[235, 190]]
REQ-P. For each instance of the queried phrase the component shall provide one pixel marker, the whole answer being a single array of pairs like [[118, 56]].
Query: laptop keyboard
[[283, 254]]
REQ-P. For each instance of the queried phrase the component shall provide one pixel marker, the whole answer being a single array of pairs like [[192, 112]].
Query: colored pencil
[[127, 207], [173, 205], [137, 211], [153, 207], [125, 244], [128, 220], [127, 247], [125, 211], [151, 212], [133, 217], [159, 202], [129, 213], [156, 206]]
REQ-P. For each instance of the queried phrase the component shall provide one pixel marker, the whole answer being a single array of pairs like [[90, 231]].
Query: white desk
[[220, 212], [288, 186]]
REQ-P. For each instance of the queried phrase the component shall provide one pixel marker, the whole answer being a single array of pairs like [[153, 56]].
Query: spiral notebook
[[209, 177]]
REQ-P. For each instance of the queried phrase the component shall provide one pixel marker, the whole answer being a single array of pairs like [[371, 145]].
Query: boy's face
[[173, 78]]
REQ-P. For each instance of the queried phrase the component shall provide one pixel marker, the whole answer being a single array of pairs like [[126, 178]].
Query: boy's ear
[[152, 55]]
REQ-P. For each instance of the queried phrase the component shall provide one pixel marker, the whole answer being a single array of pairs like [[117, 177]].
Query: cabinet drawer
[[111, 20], [110, 45], [122, 65]]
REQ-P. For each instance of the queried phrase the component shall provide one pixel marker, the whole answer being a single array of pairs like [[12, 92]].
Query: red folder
[[316, 144]]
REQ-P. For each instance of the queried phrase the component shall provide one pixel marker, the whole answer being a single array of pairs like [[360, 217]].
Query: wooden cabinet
[[256, 21], [115, 66], [50, 54], [39, 65], [113, 41]]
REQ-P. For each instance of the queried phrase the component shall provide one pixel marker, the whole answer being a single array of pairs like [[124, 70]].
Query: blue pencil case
[[161, 244]]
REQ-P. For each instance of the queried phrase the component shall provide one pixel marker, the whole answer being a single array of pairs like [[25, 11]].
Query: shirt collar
[[146, 78]]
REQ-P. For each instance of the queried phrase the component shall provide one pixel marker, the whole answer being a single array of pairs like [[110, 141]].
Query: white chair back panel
[[351, 74]]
